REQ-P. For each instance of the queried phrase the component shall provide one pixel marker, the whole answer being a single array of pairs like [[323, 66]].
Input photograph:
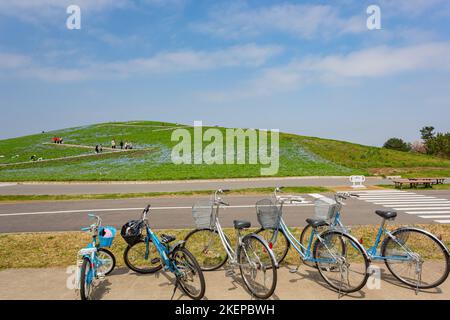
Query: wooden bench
[[415, 182]]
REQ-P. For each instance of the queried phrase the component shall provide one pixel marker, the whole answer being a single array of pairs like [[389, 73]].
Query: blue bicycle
[[414, 256], [94, 261], [149, 254], [342, 267]]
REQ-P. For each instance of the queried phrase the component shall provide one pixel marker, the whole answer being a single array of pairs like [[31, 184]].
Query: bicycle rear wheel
[[207, 248], [190, 276], [280, 244], [343, 268], [142, 258], [257, 266], [416, 258]]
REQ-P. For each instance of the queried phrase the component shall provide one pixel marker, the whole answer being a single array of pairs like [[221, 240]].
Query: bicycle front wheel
[[257, 266], [207, 248], [341, 261], [86, 280], [142, 258], [277, 241], [190, 275], [416, 258]]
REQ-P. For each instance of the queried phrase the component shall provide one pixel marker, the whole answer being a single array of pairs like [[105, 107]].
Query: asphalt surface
[[175, 212], [173, 186]]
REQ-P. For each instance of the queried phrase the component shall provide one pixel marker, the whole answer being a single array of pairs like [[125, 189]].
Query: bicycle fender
[[272, 255], [177, 245]]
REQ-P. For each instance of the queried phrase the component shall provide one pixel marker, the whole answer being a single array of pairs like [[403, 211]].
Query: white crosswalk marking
[[423, 206]]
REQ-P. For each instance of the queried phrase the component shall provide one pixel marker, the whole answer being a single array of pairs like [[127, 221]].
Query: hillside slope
[[151, 157]]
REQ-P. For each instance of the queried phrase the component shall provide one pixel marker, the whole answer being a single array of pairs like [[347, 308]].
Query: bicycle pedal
[[293, 270]]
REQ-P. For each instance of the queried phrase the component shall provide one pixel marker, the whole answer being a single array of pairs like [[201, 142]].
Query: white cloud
[[52, 11], [249, 55], [305, 21], [382, 61]]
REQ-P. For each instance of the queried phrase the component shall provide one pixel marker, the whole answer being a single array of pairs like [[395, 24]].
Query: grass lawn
[[59, 249], [9, 198], [299, 156]]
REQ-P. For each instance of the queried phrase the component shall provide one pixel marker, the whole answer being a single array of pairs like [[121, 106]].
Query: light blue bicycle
[[342, 267], [414, 256], [94, 262], [148, 254]]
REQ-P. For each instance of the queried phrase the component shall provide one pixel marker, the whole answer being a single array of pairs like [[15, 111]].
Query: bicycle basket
[[132, 231], [106, 236], [268, 214], [325, 208], [202, 213]]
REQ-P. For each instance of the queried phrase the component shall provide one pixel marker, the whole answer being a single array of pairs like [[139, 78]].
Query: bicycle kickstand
[[295, 269], [175, 288]]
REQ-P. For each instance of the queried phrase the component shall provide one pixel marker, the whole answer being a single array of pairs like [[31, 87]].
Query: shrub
[[397, 144]]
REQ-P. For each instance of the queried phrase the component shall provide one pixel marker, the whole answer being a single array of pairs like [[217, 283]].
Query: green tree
[[427, 133], [439, 145], [397, 144]]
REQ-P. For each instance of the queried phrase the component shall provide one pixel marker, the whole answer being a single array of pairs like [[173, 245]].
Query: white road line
[[443, 221], [316, 195], [427, 212], [398, 198], [379, 191], [424, 208], [402, 206], [435, 217], [413, 201], [134, 209]]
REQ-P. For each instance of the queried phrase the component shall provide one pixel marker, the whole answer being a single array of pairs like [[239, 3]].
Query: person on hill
[[97, 149], [121, 144], [113, 143]]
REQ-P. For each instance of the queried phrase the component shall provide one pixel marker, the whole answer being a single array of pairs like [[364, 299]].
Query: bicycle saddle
[[241, 224], [315, 223], [166, 238], [386, 214]]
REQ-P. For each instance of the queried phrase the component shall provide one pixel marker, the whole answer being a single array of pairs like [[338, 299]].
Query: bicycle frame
[[232, 253], [307, 255], [381, 234]]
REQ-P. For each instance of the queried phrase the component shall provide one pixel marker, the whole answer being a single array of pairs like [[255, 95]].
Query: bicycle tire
[[397, 233], [355, 244], [135, 268], [197, 271], [200, 261], [286, 244], [272, 267]]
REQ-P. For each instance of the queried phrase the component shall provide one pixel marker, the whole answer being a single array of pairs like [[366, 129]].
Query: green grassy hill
[[151, 157]]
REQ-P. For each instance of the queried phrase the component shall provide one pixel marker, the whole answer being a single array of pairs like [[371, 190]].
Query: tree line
[[433, 143]]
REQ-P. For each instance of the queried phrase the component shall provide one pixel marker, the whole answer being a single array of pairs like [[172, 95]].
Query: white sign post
[[357, 182]]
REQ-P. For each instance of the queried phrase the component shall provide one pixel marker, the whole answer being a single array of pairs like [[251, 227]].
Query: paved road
[[121, 284], [175, 212], [170, 186]]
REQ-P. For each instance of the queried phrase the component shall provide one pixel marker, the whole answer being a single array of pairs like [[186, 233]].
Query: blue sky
[[307, 67]]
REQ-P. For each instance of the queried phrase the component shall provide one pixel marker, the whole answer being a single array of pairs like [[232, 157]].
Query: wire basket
[[268, 214], [325, 208], [202, 212]]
